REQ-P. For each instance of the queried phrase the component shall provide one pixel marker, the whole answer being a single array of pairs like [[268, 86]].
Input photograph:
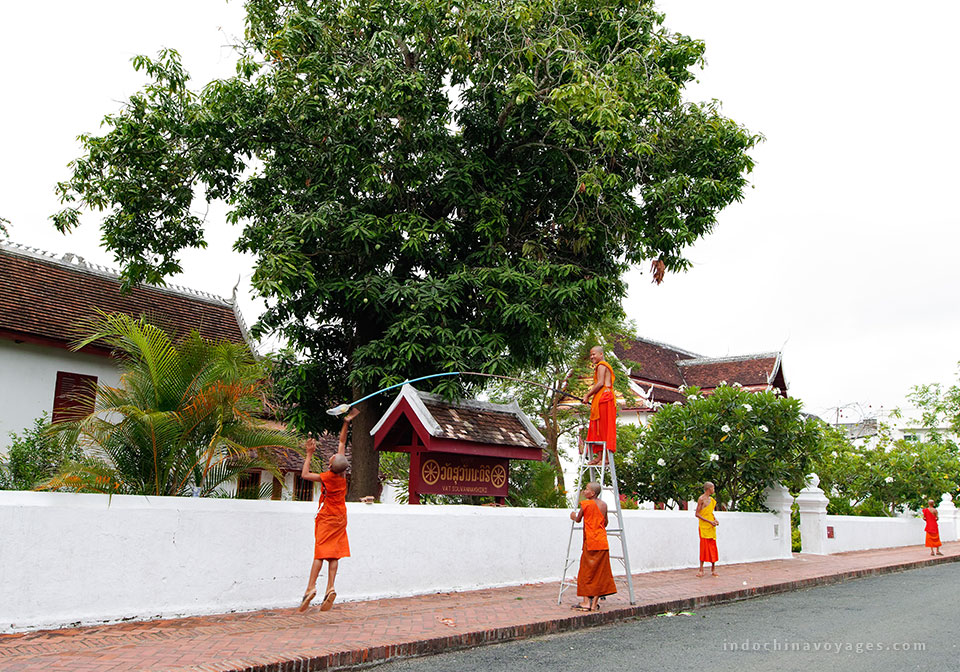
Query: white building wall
[[28, 379], [69, 558]]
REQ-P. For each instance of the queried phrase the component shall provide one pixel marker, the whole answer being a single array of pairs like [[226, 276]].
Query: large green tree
[[425, 184]]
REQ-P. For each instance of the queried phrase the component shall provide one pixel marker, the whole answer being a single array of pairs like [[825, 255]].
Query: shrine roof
[[467, 420]]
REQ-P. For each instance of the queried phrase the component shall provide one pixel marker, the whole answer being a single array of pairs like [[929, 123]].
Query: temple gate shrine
[[457, 447]]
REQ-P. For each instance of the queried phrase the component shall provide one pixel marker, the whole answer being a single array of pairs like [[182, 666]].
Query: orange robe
[[330, 528], [603, 414], [932, 529], [708, 534], [595, 577]]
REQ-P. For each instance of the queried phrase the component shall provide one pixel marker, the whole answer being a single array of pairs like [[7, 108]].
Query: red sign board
[[454, 474]]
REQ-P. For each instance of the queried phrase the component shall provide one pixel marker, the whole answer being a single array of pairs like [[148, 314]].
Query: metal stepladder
[[598, 473]]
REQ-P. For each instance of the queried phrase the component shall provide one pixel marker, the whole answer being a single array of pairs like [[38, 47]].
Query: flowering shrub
[[741, 441]]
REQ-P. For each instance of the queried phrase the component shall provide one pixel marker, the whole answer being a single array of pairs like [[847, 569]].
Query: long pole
[[343, 408]]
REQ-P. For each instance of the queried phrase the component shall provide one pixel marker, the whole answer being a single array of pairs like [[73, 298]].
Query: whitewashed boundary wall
[[77, 559], [824, 534]]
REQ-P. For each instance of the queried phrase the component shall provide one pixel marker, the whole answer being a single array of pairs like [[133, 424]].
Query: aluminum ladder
[[598, 473]]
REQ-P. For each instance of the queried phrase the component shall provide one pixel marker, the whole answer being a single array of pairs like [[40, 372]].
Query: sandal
[[328, 599], [580, 607], [305, 602]]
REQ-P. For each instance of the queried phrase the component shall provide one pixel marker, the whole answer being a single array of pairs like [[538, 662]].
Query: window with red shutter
[[74, 396], [302, 488]]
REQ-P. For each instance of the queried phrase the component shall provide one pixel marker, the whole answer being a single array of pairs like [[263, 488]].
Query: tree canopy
[[425, 184]]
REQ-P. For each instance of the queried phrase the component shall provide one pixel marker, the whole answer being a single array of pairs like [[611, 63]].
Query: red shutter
[[303, 489], [74, 396]]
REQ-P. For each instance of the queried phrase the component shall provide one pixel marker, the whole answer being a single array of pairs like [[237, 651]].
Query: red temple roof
[[43, 298], [665, 369]]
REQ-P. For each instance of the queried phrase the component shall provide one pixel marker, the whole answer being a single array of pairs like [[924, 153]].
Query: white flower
[[723, 382], [653, 477], [662, 462], [834, 454], [714, 457], [725, 429], [764, 428], [677, 403], [748, 407], [683, 388], [888, 479], [694, 397], [736, 384]]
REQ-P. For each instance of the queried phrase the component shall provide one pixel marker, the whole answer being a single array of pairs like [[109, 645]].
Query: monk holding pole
[[603, 405], [330, 525]]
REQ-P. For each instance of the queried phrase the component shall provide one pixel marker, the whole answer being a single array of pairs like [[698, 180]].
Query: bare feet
[[700, 574], [939, 553], [594, 462], [714, 574]]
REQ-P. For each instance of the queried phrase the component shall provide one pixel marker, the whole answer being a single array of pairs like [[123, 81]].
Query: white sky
[[843, 250]]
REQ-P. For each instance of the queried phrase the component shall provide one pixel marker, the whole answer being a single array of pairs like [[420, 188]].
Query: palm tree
[[181, 422]]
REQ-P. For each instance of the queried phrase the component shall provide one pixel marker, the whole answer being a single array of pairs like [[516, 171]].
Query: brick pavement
[[358, 633]]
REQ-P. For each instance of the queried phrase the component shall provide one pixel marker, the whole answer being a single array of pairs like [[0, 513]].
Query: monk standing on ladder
[[603, 405]]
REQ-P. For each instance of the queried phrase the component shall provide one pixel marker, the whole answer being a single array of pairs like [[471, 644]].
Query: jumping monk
[[931, 515], [594, 580], [708, 529], [603, 405], [330, 527]]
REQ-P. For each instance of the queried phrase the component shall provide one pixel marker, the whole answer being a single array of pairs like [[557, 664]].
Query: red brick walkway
[[360, 632]]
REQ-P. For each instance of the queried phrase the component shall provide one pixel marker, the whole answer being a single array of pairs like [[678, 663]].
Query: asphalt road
[[858, 626]]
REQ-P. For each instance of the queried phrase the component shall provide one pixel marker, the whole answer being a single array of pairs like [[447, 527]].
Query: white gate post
[[779, 500], [813, 517], [947, 512]]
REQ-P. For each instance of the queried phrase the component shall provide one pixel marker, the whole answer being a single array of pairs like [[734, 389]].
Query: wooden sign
[[455, 474]]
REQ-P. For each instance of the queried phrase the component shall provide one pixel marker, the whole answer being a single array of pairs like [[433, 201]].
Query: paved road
[[869, 620]]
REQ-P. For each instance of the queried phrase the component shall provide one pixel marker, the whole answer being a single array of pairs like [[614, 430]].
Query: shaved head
[[338, 464], [594, 487], [708, 485]]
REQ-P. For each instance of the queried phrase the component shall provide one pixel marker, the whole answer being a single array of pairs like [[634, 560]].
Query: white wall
[[28, 379], [68, 558], [858, 533]]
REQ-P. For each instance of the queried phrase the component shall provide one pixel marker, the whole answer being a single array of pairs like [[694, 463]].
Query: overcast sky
[[842, 253]]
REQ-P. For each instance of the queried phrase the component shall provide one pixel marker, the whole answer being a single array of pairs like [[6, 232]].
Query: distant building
[[43, 300]]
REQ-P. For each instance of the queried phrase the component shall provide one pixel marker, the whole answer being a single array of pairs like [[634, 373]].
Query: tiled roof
[[46, 297], [481, 425], [465, 420], [672, 368], [658, 361], [746, 370]]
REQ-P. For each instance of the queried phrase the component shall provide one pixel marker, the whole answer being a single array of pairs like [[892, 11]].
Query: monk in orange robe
[[931, 515], [594, 579], [603, 405], [330, 526], [708, 529]]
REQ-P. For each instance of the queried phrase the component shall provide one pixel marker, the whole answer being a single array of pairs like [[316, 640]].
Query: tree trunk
[[365, 467]]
